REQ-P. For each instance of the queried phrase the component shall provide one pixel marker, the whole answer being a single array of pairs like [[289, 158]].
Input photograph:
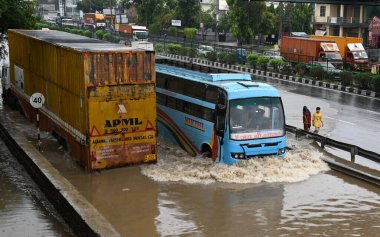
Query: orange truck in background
[[94, 21], [135, 32], [351, 50], [302, 49]]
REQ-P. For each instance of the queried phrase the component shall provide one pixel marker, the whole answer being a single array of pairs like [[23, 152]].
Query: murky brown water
[[24, 211], [185, 196]]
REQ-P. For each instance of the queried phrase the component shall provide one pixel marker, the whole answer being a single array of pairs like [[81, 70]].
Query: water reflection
[[329, 205]]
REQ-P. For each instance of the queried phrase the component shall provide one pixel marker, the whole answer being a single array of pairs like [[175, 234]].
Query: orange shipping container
[[100, 97], [301, 49]]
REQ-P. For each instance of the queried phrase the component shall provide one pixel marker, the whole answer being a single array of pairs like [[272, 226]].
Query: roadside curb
[[78, 213], [275, 75]]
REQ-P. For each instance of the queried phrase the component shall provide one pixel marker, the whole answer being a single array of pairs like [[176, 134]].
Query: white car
[[272, 54], [203, 50]]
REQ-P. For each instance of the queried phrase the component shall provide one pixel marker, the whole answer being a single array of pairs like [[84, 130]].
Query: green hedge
[[190, 33], [263, 61], [174, 48], [301, 69], [212, 56], [276, 64], [252, 59], [99, 34], [287, 68], [227, 58], [346, 78], [159, 47], [317, 72], [363, 80], [87, 33], [375, 83]]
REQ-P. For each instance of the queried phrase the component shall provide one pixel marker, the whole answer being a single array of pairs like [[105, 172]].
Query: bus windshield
[[255, 118]]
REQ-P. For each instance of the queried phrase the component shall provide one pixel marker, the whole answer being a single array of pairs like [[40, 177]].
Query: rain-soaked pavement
[[186, 196]]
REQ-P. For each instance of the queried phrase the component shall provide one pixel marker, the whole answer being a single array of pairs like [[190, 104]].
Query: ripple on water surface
[[174, 164]]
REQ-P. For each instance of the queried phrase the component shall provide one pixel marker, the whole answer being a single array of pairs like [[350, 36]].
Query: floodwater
[[24, 210], [187, 196], [190, 196]]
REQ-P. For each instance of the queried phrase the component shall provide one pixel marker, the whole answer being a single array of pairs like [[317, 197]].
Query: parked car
[[203, 50], [326, 67], [273, 54]]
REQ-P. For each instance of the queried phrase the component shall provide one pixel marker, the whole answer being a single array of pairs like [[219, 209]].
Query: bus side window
[[195, 89], [180, 105], [161, 99], [161, 81], [193, 109], [208, 114], [211, 94], [171, 102], [175, 85]]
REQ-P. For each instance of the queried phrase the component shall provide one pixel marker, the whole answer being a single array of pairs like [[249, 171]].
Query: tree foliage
[[188, 11], [15, 14], [295, 17], [245, 18]]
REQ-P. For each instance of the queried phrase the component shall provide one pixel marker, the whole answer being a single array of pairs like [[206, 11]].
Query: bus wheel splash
[[175, 165]]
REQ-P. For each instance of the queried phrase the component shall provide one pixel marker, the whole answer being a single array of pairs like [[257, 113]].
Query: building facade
[[341, 20]]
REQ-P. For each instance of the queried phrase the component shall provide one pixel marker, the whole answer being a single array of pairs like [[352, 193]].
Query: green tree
[[163, 14], [89, 6], [301, 17], [188, 11], [245, 18], [296, 17], [15, 14], [268, 23], [148, 10]]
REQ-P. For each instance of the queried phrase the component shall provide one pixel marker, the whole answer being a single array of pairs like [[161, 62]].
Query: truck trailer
[[100, 97], [351, 50], [301, 49]]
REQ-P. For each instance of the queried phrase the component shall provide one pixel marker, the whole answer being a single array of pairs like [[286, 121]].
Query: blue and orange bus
[[227, 117]]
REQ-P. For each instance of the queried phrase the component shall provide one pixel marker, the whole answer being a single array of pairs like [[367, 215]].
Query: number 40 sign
[[37, 100]]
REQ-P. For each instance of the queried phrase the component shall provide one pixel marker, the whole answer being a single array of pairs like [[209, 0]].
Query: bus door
[[220, 124]]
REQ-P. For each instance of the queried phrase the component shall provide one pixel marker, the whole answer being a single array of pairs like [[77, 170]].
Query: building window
[[322, 11]]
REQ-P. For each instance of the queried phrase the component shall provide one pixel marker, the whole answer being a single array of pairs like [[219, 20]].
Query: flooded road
[[187, 196], [24, 210]]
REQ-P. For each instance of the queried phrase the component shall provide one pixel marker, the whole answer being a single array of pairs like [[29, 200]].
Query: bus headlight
[[281, 151], [238, 155]]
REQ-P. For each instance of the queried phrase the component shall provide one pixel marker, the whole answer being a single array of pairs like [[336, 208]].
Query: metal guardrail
[[325, 141]]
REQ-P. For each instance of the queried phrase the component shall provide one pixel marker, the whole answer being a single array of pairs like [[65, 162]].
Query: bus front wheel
[[206, 151]]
